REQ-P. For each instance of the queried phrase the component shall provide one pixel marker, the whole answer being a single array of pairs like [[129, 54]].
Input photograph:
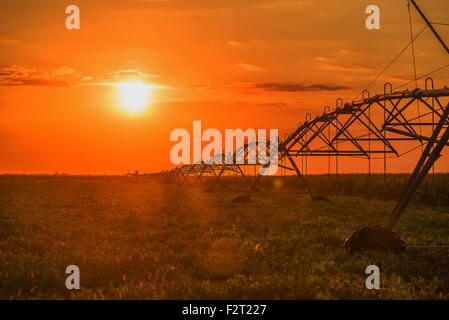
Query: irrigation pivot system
[[434, 117], [217, 166], [373, 128], [380, 126]]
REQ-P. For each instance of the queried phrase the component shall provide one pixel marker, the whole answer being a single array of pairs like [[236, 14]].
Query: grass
[[139, 239]]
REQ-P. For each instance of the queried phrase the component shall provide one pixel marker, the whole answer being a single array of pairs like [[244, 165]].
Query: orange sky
[[230, 64]]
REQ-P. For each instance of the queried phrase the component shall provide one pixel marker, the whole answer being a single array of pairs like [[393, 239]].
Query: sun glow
[[134, 95]]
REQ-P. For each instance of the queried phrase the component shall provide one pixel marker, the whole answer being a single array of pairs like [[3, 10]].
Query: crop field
[[137, 238]]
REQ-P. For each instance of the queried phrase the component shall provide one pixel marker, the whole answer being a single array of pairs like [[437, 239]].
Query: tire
[[376, 238]]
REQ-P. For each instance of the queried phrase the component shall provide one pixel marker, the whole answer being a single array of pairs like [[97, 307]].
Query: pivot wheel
[[377, 238]]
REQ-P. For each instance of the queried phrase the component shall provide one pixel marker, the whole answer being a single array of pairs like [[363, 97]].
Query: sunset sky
[[231, 64]]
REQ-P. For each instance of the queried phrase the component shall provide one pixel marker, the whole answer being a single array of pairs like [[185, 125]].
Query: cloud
[[64, 76], [323, 59], [393, 78], [292, 87], [125, 75], [213, 4], [285, 105], [23, 76], [273, 104], [340, 61], [252, 88], [249, 67], [345, 68], [9, 41]]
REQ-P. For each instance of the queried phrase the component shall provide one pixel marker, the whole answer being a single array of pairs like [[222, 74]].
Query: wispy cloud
[[393, 78], [250, 67], [9, 41], [214, 4], [23, 76], [125, 75], [342, 60], [64, 76], [345, 68], [322, 59], [258, 88], [293, 87], [273, 104]]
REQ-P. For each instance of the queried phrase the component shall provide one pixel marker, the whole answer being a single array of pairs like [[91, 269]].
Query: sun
[[134, 95]]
